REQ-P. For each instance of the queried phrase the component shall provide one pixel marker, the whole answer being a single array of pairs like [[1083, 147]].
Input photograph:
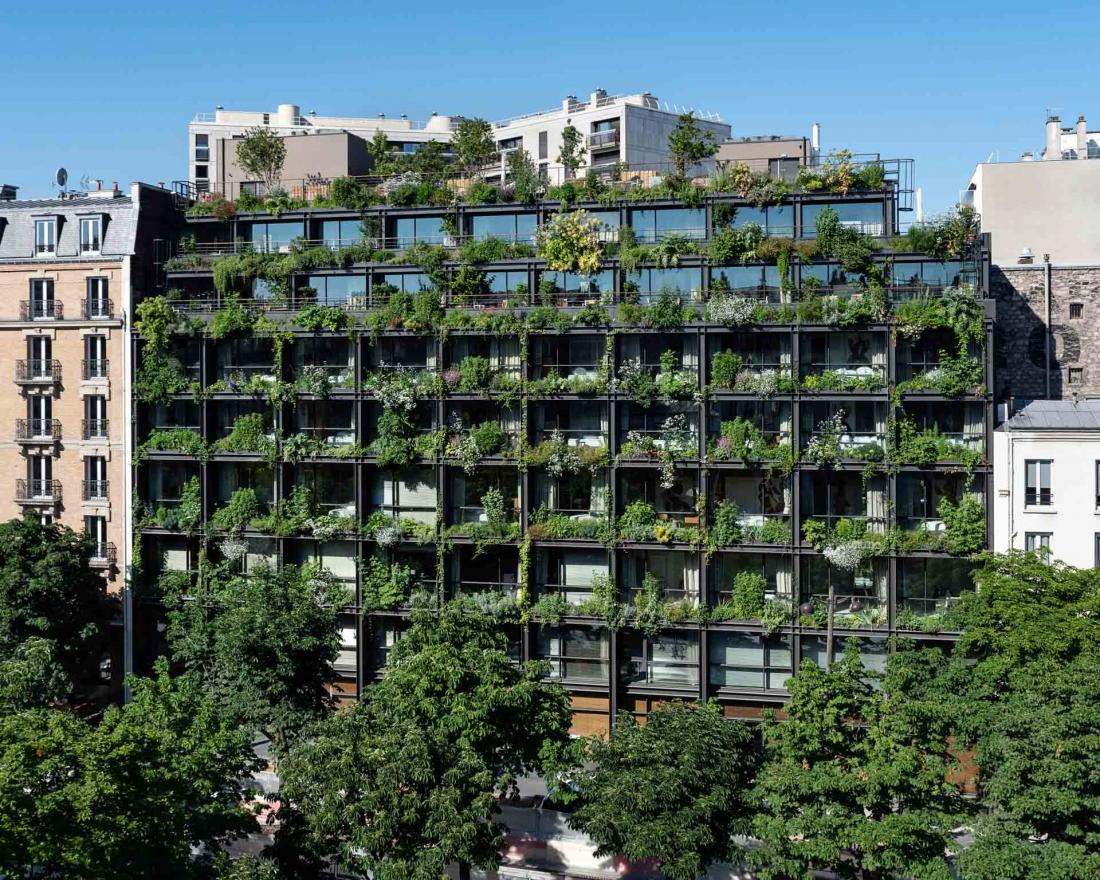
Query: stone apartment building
[[68, 266], [1045, 273]]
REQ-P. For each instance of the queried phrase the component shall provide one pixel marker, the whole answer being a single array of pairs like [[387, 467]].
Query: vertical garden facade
[[663, 435]]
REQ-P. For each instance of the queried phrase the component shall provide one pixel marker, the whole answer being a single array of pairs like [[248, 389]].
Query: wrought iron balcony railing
[[40, 309], [94, 429], [37, 370], [93, 489], [97, 308], [37, 429], [37, 491], [94, 368]]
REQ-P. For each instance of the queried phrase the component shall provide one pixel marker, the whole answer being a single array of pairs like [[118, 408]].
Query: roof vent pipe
[[1082, 138], [815, 136]]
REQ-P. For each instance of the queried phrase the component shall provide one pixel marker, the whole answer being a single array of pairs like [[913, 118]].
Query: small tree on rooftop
[[473, 144], [571, 155], [261, 153], [689, 144]]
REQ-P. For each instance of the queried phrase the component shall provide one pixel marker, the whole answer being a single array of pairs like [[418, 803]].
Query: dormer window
[[45, 237], [91, 234]]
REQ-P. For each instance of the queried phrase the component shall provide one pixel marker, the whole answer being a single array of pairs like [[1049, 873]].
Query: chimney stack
[[8, 192], [1054, 139], [1082, 138]]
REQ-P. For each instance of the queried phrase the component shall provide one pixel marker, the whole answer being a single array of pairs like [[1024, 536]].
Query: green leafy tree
[[430, 159], [1023, 685], [32, 677], [473, 144], [127, 798], [689, 144], [263, 645], [48, 590], [673, 789], [854, 782], [261, 153], [407, 781], [571, 154]]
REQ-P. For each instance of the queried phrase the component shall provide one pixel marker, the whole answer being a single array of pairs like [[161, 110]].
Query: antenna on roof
[[61, 177]]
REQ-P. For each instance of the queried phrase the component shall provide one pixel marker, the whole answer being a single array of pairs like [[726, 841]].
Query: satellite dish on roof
[[62, 177]]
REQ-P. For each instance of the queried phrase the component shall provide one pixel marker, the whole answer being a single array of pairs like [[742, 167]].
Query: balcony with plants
[[245, 365], [649, 511], [396, 581], [322, 365], [321, 428], [581, 425], [752, 587], [170, 495], [243, 427], [490, 576], [480, 432], [941, 512], [570, 581], [171, 428], [570, 503], [857, 587], [660, 588], [927, 591], [750, 433], [749, 363], [750, 509], [480, 366], [243, 497], [940, 433], [835, 433], [388, 355], [403, 505], [741, 661], [839, 508], [483, 506], [657, 368], [572, 364], [941, 346], [664, 435], [832, 362], [400, 425]]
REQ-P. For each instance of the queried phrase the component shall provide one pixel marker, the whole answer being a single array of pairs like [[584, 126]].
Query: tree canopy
[[261, 153], [571, 154], [674, 789], [689, 144], [262, 644], [127, 798], [408, 779], [50, 592], [473, 144], [853, 782]]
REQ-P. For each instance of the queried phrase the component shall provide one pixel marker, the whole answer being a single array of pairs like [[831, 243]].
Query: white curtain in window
[[974, 422], [691, 354], [260, 552], [550, 492], [876, 504], [600, 495], [880, 420], [878, 351], [881, 577], [785, 351], [691, 581], [631, 347], [175, 559], [783, 580]]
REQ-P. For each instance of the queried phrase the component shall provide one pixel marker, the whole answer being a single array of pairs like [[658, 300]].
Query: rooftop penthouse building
[[677, 443]]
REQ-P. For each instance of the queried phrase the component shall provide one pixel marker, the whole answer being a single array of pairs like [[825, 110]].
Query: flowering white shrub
[[849, 555], [733, 311]]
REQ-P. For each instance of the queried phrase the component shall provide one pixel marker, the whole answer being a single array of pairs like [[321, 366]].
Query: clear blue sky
[[106, 89]]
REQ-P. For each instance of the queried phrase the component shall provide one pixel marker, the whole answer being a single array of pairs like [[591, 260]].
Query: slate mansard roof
[[17, 227], [1057, 415]]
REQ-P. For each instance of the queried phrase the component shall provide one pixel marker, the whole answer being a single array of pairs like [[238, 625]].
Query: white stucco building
[[1046, 465]]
